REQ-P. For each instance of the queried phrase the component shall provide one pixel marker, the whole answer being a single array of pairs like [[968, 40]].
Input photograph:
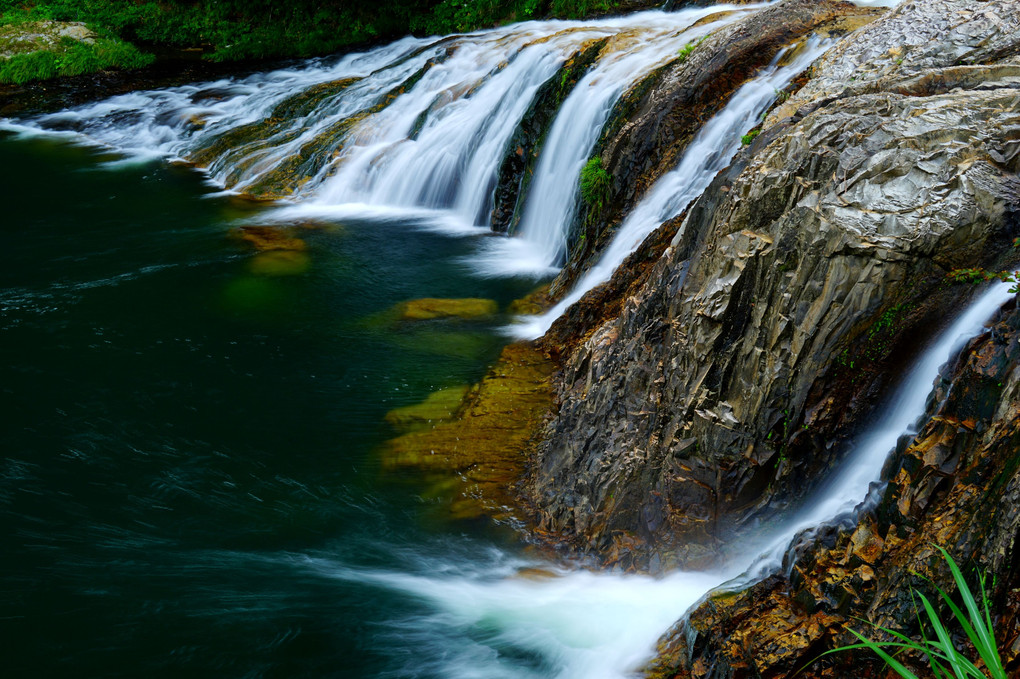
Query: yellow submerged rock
[[429, 308], [265, 238], [477, 457], [279, 263], [438, 407]]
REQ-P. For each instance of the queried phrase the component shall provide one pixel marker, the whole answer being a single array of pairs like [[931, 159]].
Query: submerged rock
[[428, 308], [478, 457], [438, 407], [268, 238], [279, 263]]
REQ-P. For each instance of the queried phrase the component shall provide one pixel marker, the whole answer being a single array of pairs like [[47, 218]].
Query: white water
[[479, 618], [422, 124], [710, 152], [552, 201]]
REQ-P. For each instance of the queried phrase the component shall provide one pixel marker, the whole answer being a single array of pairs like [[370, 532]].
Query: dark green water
[[186, 442]]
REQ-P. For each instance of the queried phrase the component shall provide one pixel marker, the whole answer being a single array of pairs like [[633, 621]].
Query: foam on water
[[490, 616]]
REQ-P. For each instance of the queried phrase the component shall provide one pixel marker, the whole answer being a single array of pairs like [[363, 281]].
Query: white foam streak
[[572, 625], [709, 153], [849, 485], [480, 619]]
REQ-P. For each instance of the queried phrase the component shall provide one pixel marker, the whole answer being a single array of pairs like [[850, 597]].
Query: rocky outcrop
[[653, 124], [789, 298], [957, 485]]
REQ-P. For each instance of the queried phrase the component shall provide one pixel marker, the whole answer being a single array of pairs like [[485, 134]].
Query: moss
[[429, 308], [477, 457], [596, 186], [686, 51]]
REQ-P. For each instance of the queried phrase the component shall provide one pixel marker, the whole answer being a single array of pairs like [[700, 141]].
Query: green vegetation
[[979, 275], [596, 185], [687, 49], [749, 137], [72, 57], [256, 29], [936, 646]]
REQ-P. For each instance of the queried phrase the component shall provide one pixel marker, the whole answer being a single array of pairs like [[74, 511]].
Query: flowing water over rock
[[710, 152], [195, 487]]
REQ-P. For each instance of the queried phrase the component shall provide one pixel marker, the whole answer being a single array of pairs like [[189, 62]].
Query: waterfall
[[417, 127], [490, 620], [552, 201], [711, 151]]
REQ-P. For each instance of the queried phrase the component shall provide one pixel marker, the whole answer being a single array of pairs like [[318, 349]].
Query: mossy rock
[[31, 36], [429, 308], [440, 406], [478, 456], [279, 263], [266, 238], [535, 302]]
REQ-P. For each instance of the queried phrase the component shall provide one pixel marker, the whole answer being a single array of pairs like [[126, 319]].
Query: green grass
[[749, 137], [71, 57], [596, 186], [936, 647], [689, 48]]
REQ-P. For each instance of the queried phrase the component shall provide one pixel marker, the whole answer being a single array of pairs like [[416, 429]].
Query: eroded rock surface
[[767, 330], [957, 486], [654, 123]]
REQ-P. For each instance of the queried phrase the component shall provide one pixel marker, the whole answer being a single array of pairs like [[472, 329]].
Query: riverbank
[[169, 68]]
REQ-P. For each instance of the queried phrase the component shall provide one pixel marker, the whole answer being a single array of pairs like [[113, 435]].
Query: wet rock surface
[[790, 297], [653, 124], [957, 485]]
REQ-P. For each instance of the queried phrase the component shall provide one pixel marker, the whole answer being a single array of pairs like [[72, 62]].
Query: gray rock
[[771, 324]]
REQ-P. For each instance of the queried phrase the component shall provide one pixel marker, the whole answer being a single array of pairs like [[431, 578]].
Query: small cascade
[[553, 199], [416, 127], [710, 152], [505, 619]]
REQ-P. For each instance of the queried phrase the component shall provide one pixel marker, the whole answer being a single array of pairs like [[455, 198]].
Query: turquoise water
[[187, 477]]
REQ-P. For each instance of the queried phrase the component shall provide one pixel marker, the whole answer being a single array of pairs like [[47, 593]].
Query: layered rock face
[[653, 124], [792, 292], [957, 485]]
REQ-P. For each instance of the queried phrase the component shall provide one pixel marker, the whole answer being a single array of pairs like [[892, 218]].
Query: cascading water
[[710, 152], [417, 127], [490, 621], [552, 201], [420, 124]]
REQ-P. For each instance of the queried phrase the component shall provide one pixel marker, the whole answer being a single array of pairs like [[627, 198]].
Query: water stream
[[711, 151], [189, 485]]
